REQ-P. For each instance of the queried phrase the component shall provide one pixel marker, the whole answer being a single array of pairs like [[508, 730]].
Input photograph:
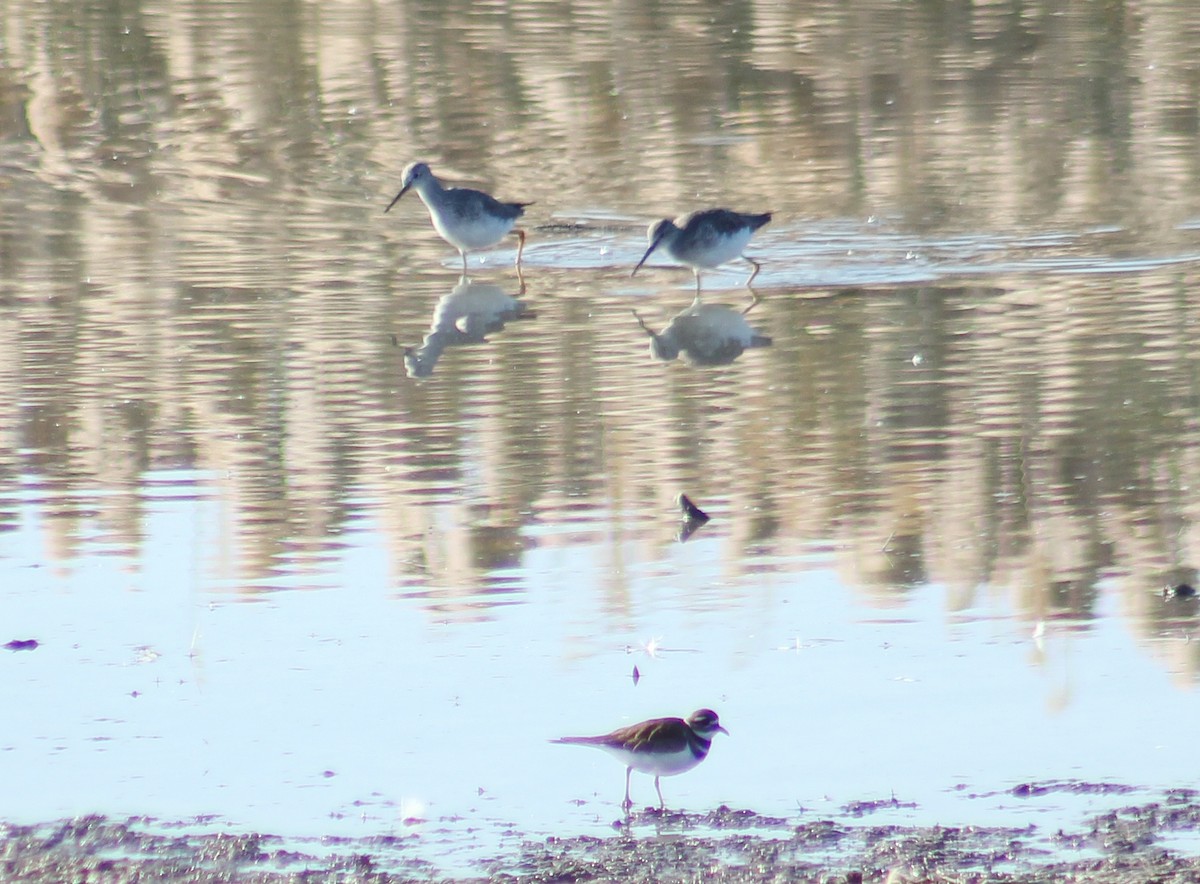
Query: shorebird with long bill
[[467, 219], [706, 239]]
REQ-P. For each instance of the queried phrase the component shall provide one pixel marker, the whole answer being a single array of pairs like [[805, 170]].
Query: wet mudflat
[[1128, 843]]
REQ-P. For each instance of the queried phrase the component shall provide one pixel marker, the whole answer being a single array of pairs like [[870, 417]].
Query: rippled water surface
[[317, 537]]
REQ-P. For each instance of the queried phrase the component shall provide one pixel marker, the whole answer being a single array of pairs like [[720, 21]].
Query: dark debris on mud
[[724, 845]]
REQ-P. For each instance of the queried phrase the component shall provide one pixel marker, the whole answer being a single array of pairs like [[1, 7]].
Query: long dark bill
[[641, 321], [653, 246], [396, 198]]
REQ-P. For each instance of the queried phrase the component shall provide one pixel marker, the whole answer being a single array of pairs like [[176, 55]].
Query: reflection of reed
[[196, 276], [998, 116]]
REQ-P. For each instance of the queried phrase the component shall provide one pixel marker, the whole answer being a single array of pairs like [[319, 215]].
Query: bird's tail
[[579, 741]]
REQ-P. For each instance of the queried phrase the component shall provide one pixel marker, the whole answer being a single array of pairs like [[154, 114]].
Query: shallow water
[[317, 538]]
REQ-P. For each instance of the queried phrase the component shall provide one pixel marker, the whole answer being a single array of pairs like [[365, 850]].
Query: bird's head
[[706, 724], [655, 234], [414, 173]]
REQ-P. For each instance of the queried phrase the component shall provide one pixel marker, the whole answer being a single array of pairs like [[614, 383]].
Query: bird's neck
[[699, 745], [428, 187]]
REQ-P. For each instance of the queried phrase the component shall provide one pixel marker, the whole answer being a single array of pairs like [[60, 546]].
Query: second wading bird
[[661, 746], [467, 219], [706, 239]]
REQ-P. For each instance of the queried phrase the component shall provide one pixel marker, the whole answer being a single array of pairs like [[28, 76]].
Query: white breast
[[659, 764]]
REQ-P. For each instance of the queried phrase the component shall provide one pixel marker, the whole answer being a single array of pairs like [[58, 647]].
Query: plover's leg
[[520, 244], [754, 273], [628, 802]]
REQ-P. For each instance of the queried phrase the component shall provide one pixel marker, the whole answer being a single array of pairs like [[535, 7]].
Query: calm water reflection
[[705, 334], [979, 402], [467, 315]]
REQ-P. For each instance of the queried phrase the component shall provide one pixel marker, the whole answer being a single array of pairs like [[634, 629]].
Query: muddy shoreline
[[1127, 844]]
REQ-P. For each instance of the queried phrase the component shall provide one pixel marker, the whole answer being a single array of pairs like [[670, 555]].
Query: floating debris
[[1181, 591], [690, 510], [693, 518], [18, 644]]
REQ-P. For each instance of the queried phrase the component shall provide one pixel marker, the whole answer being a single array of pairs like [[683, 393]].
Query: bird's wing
[[476, 203], [666, 734]]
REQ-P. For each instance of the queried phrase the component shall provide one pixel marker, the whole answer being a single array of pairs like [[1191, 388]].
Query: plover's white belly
[[716, 321], [475, 233], [659, 764], [713, 252]]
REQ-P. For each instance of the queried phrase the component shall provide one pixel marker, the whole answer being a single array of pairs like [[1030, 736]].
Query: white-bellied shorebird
[[467, 219], [661, 746], [705, 239]]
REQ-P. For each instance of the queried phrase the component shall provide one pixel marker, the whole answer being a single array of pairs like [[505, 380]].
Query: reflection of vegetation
[[996, 114], [196, 273]]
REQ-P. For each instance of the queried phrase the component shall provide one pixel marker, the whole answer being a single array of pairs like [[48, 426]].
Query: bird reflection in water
[[706, 334], [467, 315]]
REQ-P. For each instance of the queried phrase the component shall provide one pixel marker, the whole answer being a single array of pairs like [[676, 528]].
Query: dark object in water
[[693, 518], [17, 644], [636, 676], [690, 510], [1181, 591]]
